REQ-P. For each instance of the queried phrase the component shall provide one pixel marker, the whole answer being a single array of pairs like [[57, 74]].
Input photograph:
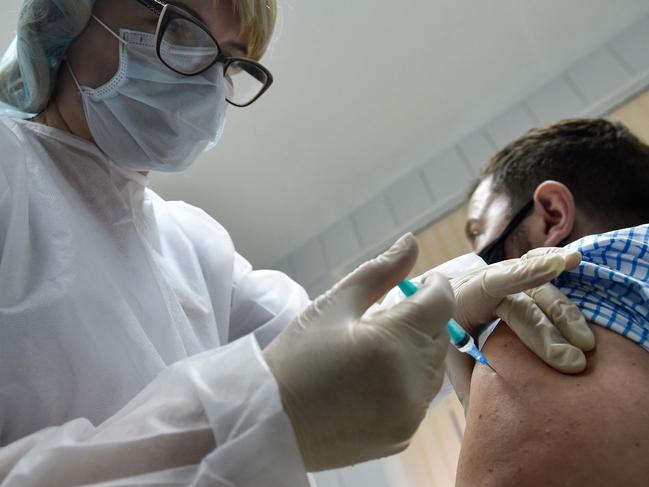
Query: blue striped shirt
[[611, 285]]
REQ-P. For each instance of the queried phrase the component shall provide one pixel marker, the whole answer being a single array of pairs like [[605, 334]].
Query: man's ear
[[555, 206]]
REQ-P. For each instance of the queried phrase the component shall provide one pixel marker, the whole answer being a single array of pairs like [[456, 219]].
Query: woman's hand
[[357, 386]]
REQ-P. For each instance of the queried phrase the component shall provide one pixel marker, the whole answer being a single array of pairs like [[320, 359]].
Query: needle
[[459, 337]]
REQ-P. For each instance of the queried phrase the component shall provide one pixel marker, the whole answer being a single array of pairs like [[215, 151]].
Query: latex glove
[[356, 388], [545, 320]]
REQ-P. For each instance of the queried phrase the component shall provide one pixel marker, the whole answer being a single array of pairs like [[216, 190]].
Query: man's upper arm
[[530, 425]]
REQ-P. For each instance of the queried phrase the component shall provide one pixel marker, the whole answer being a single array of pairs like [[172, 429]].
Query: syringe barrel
[[459, 336], [468, 346]]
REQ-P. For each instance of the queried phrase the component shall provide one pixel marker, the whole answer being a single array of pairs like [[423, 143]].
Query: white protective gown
[[104, 285]]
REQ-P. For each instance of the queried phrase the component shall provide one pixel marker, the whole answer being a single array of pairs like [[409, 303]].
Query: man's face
[[488, 216]]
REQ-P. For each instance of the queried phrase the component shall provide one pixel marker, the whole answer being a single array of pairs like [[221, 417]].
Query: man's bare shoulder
[[532, 426]]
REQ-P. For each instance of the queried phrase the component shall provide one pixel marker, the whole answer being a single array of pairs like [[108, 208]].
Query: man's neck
[[586, 225]]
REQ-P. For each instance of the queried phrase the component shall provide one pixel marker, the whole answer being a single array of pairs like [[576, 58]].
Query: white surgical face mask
[[147, 117]]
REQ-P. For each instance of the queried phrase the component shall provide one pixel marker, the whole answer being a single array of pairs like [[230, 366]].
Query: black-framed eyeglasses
[[495, 251], [185, 45]]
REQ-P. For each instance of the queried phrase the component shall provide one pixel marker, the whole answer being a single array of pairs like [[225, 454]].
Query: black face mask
[[495, 251]]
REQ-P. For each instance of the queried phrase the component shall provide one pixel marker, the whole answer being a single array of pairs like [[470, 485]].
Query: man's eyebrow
[[467, 227]]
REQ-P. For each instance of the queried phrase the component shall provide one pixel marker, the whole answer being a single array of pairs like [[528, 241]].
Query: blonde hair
[[259, 17]]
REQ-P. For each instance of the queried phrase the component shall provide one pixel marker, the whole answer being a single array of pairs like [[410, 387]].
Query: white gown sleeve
[[263, 302], [260, 302], [214, 419]]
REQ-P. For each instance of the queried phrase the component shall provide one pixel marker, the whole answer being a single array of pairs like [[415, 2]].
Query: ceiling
[[365, 91]]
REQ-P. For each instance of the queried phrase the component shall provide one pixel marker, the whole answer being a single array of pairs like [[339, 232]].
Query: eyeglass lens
[[187, 48], [246, 81]]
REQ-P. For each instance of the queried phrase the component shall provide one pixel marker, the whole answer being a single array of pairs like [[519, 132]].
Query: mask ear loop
[[76, 81], [111, 32]]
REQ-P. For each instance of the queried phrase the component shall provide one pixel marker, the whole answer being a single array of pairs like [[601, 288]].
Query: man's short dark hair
[[604, 165]]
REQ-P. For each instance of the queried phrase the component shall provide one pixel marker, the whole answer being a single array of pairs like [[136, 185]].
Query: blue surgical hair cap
[[29, 68]]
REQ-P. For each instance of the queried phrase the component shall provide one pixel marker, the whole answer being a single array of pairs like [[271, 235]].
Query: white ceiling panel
[[368, 90]]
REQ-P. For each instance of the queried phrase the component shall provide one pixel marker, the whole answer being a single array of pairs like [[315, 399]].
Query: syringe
[[459, 337]]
